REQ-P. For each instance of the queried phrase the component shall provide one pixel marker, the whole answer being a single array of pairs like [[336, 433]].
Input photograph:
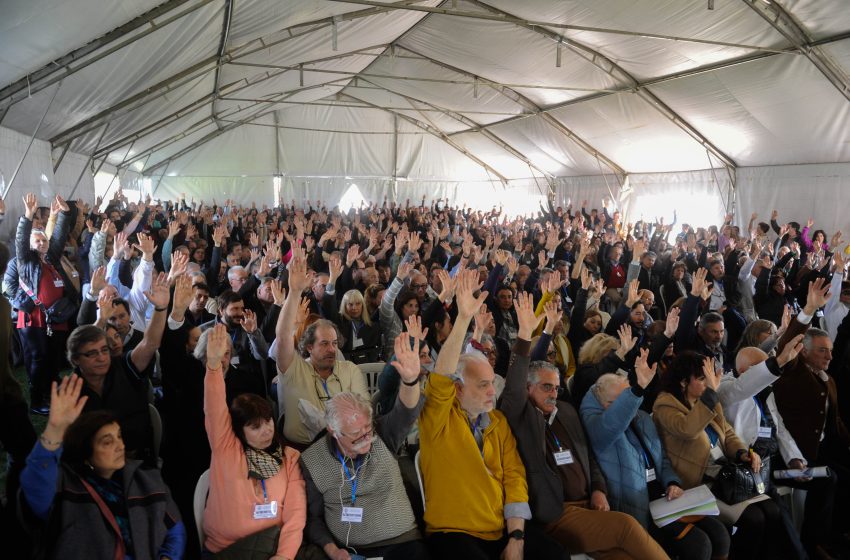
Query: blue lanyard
[[265, 496], [713, 436], [762, 416], [474, 427], [554, 437], [352, 479], [325, 387]]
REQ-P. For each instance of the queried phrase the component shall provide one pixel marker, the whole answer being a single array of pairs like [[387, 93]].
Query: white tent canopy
[[745, 104]]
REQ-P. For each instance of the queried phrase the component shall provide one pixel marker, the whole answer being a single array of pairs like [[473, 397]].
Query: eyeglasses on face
[[549, 388], [359, 436], [418, 286]]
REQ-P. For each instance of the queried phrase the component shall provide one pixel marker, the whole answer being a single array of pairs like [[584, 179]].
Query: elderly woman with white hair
[[357, 504], [362, 337], [629, 451]]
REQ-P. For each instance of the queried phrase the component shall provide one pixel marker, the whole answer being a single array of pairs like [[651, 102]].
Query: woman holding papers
[[698, 440], [630, 454]]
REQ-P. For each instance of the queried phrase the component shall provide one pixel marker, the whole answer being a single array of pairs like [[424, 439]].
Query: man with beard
[[305, 385], [249, 347], [355, 493]]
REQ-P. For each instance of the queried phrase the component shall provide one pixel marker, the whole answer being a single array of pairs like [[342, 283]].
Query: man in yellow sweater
[[476, 495]]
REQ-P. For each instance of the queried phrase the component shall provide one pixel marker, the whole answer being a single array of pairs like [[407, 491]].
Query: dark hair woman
[[97, 503]]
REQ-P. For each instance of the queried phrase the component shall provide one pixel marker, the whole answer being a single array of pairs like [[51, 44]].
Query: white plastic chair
[[371, 371], [419, 478], [199, 503]]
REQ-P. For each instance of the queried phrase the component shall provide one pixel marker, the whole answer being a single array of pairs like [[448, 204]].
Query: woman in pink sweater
[[255, 483]]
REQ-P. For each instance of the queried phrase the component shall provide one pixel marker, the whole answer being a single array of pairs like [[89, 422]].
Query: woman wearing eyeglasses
[[96, 502], [257, 501], [121, 385]]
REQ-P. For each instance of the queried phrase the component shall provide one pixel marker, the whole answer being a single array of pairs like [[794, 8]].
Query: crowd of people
[[544, 379]]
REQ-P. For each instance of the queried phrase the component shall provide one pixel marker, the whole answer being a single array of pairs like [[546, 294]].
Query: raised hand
[[818, 295], [712, 376], [278, 292], [672, 323], [60, 202], [626, 341], [335, 269], [98, 281], [173, 229], [179, 262], [528, 321], [414, 328], [554, 282], [219, 234], [104, 304], [30, 205], [553, 315], [183, 293], [146, 246], [482, 322], [254, 239], [467, 285], [216, 346], [353, 255], [406, 358], [586, 279], [634, 293], [643, 372], [66, 405], [299, 278], [158, 293], [414, 243], [542, 259], [699, 283], [249, 321], [404, 270], [790, 350]]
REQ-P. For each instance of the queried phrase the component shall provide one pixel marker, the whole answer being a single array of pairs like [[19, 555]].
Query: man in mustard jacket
[[476, 495]]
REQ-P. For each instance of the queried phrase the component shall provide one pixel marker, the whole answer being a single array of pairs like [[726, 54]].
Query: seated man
[[566, 488], [304, 386], [356, 498], [476, 496], [249, 347]]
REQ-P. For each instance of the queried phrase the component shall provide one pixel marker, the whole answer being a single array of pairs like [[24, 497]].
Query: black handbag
[[736, 482]]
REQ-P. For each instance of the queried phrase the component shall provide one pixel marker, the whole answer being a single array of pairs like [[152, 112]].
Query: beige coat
[[682, 432]]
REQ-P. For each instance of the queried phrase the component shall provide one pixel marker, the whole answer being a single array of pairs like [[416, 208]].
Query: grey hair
[[200, 352], [534, 370], [811, 334], [231, 274], [464, 361], [708, 318], [604, 383], [346, 406]]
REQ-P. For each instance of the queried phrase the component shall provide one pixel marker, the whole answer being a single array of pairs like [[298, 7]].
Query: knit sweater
[[228, 515], [468, 490]]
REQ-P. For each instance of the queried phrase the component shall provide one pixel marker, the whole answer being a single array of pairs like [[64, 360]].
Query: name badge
[[234, 360], [265, 511], [563, 457], [59, 283], [650, 475], [765, 432], [352, 514], [716, 453]]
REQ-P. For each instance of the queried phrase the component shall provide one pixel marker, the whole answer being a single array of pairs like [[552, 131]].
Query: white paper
[[696, 501], [811, 472]]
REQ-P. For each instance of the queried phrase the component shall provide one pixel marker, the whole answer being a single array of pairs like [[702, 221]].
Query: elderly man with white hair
[[476, 495], [357, 503], [567, 490]]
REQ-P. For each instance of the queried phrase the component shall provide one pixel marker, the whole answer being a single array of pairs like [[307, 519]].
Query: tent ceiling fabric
[[385, 90]]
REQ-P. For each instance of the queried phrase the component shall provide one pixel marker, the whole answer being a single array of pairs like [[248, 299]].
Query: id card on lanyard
[[765, 432], [266, 510], [351, 514], [562, 456]]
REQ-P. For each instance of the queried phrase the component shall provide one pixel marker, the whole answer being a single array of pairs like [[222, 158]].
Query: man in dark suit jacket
[[566, 488]]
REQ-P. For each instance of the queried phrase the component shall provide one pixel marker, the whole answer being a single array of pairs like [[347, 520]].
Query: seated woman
[[632, 458], [396, 306], [361, 337], [698, 440], [97, 503], [389, 380], [256, 487]]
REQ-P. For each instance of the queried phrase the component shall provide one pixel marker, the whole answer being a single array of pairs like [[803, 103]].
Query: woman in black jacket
[[36, 283]]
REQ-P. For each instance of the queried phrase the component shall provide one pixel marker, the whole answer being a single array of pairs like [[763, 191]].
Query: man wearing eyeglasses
[[566, 488], [476, 496], [357, 502]]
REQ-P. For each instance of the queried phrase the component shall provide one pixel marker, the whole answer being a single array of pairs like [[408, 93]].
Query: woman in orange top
[[255, 483]]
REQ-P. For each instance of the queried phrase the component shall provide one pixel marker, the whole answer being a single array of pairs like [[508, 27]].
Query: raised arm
[[159, 296], [299, 280]]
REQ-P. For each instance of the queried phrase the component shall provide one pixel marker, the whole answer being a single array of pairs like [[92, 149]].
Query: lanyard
[[265, 496], [474, 426], [351, 478], [713, 436], [762, 417], [554, 437], [325, 387]]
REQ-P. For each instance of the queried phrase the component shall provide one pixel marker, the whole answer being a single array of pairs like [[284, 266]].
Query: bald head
[[748, 357]]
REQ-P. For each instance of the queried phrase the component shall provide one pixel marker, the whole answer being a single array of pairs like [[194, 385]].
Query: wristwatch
[[517, 534]]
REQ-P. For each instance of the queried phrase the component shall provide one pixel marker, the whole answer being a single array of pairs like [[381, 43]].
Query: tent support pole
[[88, 161], [58, 161], [161, 175], [395, 148], [32, 139]]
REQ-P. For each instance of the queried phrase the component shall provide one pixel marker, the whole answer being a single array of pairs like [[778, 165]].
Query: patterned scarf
[[112, 493], [264, 463]]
